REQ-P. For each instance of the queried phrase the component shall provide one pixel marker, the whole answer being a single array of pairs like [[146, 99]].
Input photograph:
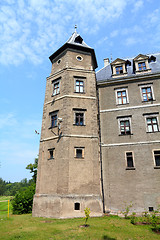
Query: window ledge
[[125, 134], [121, 104], [51, 158], [149, 101], [145, 70], [79, 92], [153, 132], [157, 167], [79, 125], [82, 158], [130, 168], [55, 94]]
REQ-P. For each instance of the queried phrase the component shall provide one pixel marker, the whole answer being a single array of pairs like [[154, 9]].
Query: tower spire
[[75, 28]]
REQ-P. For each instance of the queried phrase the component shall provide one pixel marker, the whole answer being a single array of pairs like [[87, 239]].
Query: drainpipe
[[99, 128]]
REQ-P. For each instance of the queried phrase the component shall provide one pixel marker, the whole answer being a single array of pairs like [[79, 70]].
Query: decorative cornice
[[129, 143]]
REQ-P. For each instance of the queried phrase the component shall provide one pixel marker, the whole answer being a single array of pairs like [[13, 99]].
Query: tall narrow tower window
[[79, 86]]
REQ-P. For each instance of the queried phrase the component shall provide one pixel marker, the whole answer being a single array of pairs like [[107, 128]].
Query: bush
[[133, 218], [23, 200]]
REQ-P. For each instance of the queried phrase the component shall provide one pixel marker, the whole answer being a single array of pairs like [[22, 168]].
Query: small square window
[[125, 127], [142, 66], [119, 70], [152, 124], [51, 153], [79, 88], [157, 158], [79, 152], [129, 159]]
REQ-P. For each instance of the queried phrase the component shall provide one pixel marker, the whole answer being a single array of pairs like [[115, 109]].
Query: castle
[[100, 139]]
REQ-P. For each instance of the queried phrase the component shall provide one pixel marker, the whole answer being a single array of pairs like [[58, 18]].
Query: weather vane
[[75, 27]]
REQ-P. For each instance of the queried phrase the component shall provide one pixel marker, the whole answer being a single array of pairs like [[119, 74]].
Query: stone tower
[[68, 177]]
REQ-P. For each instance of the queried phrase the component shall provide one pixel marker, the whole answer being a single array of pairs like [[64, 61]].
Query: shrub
[[87, 212], [127, 209], [133, 218], [23, 200]]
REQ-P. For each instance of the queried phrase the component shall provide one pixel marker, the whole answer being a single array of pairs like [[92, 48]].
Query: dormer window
[[141, 64], [119, 70]]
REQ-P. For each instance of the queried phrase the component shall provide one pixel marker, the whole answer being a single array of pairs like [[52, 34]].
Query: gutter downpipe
[[99, 128]]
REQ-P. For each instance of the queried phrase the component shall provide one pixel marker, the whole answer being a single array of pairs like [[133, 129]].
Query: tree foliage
[[33, 169], [23, 200]]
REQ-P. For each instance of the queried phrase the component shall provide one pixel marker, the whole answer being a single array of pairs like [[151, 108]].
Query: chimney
[[106, 62]]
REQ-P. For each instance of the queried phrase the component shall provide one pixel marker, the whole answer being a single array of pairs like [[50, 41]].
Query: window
[[79, 119], [152, 124], [79, 116], [119, 70], [77, 206], [56, 87], [79, 152], [53, 119], [157, 158], [125, 127], [121, 96], [51, 153], [79, 86], [142, 66], [129, 159], [147, 94]]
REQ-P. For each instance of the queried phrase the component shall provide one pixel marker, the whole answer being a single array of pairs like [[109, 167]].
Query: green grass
[[4, 206], [112, 227]]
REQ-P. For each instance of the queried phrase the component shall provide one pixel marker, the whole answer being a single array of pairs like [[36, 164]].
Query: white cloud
[[137, 6], [7, 120], [29, 29]]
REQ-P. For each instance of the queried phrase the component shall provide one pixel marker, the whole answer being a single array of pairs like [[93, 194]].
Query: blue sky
[[30, 31]]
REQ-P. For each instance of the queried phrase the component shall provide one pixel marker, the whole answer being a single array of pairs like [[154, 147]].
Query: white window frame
[[119, 125], [154, 160], [132, 158], [151, 116], [54, 82], [75, 152], [79, 111], [146, 86], [121, 90], [80, 80]]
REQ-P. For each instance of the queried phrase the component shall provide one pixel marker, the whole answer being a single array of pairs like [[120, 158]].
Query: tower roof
[[76, 42]]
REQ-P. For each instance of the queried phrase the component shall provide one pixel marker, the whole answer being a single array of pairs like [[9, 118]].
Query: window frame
[[49, 153], [79, 111], [152, 124], [141, 62], [154, 159], [119, 69], [120, 119], [152, 92], [128, 167], [52, 114], [75, 87], [121, 90], [75, 152], [55, 82]]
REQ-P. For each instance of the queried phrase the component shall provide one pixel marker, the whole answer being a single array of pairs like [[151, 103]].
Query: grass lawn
[[112, 227], [26, 227]]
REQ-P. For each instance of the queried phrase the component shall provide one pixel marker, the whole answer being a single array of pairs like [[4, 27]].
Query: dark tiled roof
[[106, 73]]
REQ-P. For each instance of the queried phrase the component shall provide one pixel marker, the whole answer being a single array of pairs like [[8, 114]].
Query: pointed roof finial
[[75, 27]]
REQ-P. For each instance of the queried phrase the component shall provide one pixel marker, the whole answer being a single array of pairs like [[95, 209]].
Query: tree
[[33, 169], [2, 186]]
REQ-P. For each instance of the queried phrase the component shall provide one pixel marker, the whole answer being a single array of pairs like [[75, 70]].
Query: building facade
[[100, 139]]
